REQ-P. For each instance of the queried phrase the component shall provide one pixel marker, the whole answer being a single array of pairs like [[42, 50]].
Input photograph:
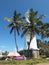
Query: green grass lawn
[[23, 62]]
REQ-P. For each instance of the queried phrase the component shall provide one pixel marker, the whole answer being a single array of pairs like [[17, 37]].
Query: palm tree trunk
[[15, 39], [28, 49]]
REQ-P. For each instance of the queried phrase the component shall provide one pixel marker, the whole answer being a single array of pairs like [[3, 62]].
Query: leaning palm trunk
[[15, 39], [28, 49], [31, 36], [29, 41]]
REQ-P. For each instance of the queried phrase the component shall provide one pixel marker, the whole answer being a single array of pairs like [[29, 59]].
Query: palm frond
[[36, 13], [39, 22], [11, 30], [41, 16], [18, 31], [24, 32], [8, 19], [37, 30], [8, 25]]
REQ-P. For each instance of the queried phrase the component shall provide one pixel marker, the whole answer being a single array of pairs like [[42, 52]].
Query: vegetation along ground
[[25, 62]]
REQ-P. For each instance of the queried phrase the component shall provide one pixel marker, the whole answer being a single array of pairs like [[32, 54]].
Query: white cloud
[[2, 46]]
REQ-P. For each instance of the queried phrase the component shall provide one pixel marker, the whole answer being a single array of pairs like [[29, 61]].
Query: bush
[[47, 52]]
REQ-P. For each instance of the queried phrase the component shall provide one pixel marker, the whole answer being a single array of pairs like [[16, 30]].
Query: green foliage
[[41, 52], [47, 52], [24, 62], [39, 43], [21, 52], [5, 53]]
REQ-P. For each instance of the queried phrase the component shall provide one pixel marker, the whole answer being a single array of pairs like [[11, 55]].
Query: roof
[[13, 54]]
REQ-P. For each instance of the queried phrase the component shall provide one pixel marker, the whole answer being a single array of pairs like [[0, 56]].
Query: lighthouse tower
[[33, 43], [33, 46]]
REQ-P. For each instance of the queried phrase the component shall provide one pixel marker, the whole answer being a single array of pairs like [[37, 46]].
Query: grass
[[23, 62]]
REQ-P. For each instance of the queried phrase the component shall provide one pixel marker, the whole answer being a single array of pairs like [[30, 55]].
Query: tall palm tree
[[14, 25], [33, 25]]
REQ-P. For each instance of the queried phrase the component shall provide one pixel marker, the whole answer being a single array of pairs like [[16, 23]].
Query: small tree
[[5, 53]]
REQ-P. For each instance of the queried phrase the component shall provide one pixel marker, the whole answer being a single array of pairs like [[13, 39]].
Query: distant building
[[1, 54], [11, 54]]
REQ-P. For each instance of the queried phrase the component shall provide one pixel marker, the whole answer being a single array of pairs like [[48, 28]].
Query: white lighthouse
[[33, 43]]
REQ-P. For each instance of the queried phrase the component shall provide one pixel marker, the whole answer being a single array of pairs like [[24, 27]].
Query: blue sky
[[7, 8]]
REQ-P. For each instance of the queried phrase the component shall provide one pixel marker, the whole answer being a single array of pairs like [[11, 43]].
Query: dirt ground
[[43, 64]]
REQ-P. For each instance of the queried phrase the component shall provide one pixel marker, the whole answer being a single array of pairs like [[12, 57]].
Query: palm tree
[[14, 25], [44, 30], [47, 29], [33, 25]]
